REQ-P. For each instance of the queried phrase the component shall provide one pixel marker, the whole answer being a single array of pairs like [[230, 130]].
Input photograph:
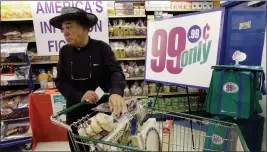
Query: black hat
[[74, 13]]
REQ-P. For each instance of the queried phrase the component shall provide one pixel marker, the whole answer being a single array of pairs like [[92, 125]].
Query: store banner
[[182, 49], [49, 40], [58, 104]]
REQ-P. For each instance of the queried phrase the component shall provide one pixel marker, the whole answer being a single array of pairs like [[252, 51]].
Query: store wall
[[263, 102]]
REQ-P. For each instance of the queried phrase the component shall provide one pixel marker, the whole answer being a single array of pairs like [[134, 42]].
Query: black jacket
[[85, 69]]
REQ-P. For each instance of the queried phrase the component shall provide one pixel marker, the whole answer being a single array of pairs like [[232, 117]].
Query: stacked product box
[[129, 8]]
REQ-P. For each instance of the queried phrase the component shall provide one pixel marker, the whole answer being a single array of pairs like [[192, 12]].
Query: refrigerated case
[[244, 30]]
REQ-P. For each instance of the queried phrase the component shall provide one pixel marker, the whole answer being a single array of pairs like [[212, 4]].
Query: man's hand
[[90, 97], [116, 104]]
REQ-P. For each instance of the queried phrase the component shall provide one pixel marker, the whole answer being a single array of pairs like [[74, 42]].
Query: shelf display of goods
[[15, 130], [130, 49], [121, 28], [136, 89], [126, 8], [15, 10], [132, 69], [11, 33], [172, 104]]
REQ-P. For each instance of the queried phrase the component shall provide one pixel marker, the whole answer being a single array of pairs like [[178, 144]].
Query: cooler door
[[244, 31]]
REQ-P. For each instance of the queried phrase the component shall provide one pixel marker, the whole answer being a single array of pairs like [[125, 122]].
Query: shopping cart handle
[[71, 108]]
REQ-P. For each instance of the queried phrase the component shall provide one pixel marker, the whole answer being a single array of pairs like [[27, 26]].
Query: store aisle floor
[[52, 146]]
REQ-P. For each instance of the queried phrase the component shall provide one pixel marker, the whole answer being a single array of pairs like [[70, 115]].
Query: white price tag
[[4, 54], [4, 83]]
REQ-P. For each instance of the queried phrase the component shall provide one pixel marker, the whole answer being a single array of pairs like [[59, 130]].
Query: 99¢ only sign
[[181, 50]]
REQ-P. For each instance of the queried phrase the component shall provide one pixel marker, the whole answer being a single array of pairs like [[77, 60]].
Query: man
[[85, 64]]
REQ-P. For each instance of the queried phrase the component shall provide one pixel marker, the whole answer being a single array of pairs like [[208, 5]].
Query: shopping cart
[[145, 131]]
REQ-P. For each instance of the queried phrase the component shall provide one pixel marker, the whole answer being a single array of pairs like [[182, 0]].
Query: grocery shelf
[[15, 142], [131, 59], [135, 78], [126, 16], [127, 37], [18, 41], [17, 19], [15, 94], [55, 62], [176, 10], [171, 93], [160, 94], [138, 97], [17, 119]]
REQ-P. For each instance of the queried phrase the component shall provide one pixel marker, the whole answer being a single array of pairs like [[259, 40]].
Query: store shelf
[[172, 93], [17, 119], [17, 19], [18, 41], [135, 78], [127, 37], [126, 16], [138, 97], [176, 10], [160, 94], [131, 59], [15, 94], [9, 143], [55, 62]]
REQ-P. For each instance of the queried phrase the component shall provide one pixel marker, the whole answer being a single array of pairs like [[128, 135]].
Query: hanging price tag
[[182, 50], [4, 54]]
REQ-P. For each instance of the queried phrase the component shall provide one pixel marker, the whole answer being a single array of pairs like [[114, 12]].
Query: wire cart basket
[[164, 131]]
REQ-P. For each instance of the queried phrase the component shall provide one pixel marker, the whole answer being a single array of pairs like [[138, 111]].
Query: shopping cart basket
[[144, 131]]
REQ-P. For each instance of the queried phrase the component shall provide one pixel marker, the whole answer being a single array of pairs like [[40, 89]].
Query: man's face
[[73, 32]]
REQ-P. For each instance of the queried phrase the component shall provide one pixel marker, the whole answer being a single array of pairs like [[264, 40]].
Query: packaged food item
[[126, 30], [133, 88], [152, 88], [132, 29], [111, 7], [139, 51], [106, 121], [144, 86], [143, 46], [173, 89], [136, 9], [17, 130], [166, 89], [95, 125], [131, 70], [137, 71], [129, 50], [115, 28], [121, 28], [142, 10], [142, 28], [127, 91], [82, 132], [142, 70], [111, 32], [138, 91], [23, 102], [137, 29], [43, 79]]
